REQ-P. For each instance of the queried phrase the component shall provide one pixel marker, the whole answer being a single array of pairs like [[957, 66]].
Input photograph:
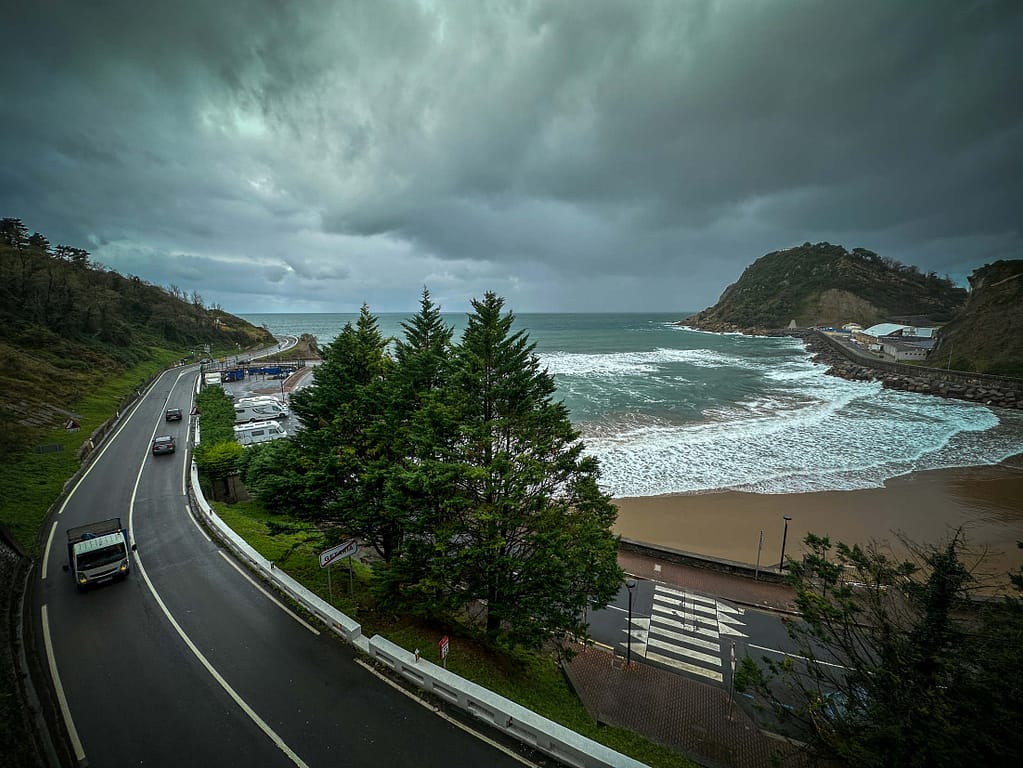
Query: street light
[[784, 536], [630, 585]]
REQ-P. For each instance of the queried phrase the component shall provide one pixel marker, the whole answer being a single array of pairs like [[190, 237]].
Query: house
[[901, 350]]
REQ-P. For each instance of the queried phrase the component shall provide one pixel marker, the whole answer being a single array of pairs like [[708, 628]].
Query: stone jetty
[[850, 363]]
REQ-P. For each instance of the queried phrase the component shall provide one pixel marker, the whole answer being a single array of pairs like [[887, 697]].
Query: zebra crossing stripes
[[685, 666], [714, 660], [685, 631]]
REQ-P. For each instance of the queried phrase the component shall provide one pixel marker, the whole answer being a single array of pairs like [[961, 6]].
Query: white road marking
[[794, 656], [65, 710], [107, 443], [724, 629], [221, 681], [188, 514], [706, 658], [686, 626], [269, 597], [249, 711], [702, 671], [709, 645], [693, 607], [689, 596], [49, 543], [440, 713], [689, 618]]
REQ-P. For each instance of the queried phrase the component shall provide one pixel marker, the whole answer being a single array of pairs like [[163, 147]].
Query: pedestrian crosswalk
[[685, 631]]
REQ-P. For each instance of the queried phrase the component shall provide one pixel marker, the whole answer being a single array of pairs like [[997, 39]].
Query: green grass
[[533, 680], [31, 481]]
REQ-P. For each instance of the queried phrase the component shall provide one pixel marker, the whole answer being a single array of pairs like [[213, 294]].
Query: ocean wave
[[853, 442]]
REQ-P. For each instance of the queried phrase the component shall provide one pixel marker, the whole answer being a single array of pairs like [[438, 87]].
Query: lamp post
[[760, 545], [784, 536], [630, 585]]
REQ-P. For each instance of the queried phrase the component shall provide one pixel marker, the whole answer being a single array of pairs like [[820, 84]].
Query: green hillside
[[68, 325], [825, 284], [987, 336]]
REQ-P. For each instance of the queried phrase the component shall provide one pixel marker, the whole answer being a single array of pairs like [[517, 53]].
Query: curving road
[[189, 661]]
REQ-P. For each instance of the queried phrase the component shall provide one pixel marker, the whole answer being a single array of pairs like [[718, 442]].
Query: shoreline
[[926, 506]]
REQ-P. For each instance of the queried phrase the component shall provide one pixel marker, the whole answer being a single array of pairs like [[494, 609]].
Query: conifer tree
[[522, 526], [341, 452]]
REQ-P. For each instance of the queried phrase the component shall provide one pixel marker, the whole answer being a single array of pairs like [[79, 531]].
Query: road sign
[[444, 646], [347, 549]]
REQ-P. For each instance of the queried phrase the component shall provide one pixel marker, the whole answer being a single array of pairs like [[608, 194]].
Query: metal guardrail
[[513, 719]]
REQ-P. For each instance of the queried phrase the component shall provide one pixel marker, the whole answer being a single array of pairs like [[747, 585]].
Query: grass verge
[[533, 680], [32, 480]]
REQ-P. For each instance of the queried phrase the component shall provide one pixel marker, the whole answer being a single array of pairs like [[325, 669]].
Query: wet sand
[[987, 502]]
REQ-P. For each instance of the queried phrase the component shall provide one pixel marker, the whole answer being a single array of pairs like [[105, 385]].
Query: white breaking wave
[[821, 447], [732, 411], [633, 363]]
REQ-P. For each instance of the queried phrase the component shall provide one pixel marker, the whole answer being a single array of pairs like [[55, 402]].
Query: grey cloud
[[602, 155]]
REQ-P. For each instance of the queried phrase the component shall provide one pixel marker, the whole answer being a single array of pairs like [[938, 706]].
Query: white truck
[[98, 552], [258, 411], [258, 432]]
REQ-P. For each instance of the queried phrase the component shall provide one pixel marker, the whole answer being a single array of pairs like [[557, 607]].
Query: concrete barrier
[[561, 743], [513, 719]]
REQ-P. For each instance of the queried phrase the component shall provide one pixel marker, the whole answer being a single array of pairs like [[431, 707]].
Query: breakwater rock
[[849, 363]]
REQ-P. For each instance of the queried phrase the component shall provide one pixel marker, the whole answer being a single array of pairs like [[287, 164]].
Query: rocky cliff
[[987, 335], [827, 285]]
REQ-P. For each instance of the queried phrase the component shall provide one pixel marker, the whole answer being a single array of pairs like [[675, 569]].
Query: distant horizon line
[[456, 312]]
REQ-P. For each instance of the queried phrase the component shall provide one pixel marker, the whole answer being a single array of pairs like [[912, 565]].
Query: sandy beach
[[987, 502]]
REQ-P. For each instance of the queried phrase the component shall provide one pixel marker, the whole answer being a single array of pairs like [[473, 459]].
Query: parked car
[[163, 444], [173, 414]]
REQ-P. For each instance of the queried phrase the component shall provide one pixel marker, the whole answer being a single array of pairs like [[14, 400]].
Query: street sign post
[[445, 645], [731, 683], [345, 549], [328, 556]]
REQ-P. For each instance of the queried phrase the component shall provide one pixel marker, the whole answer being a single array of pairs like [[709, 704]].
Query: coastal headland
[[985, 502]]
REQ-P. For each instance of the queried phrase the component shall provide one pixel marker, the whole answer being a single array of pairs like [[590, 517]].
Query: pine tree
[[342, 451], [523, 527]]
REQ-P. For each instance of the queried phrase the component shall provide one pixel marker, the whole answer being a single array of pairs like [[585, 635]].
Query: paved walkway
[[737, 589], [691, 717]]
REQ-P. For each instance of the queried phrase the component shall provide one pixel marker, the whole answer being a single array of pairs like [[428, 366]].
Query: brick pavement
[[673, 709]]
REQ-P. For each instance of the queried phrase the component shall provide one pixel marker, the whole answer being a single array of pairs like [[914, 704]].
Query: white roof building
[[894, 329]]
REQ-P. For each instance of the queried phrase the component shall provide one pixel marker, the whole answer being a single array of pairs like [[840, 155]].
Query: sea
[[671, 410]]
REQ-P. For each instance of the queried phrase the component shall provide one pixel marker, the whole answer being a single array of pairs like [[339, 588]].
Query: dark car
[[173, 414], [163, 444]]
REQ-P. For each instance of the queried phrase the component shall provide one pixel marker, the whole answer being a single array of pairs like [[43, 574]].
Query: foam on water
[[632, 363], [671, 410], [843, 435]]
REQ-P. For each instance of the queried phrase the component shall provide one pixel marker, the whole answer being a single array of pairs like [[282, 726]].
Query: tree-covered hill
[[825, 284], [67, 323], [987, 336]]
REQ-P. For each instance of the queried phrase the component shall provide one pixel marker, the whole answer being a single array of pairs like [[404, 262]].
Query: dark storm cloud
[[573, 155]]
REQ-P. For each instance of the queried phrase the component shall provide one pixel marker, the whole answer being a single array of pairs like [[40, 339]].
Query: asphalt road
[[688, 633], [188, 661]]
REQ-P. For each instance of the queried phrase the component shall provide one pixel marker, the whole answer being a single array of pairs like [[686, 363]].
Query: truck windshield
[[98, 557]]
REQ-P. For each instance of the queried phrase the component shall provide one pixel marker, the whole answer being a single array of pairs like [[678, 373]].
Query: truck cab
[[98, 553]]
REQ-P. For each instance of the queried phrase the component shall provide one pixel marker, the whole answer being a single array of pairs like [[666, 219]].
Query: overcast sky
[[570, 156]]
